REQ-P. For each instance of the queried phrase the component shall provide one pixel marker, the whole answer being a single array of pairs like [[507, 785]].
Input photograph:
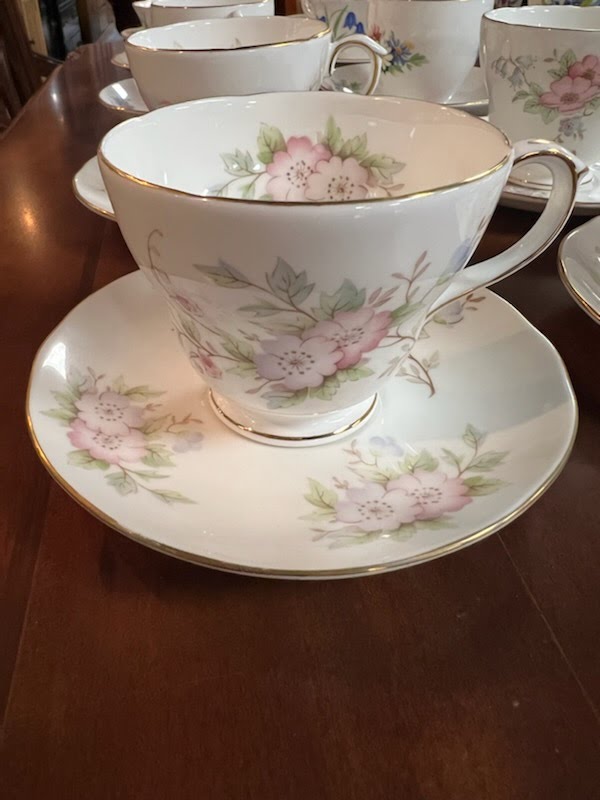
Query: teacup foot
[[282, 430]]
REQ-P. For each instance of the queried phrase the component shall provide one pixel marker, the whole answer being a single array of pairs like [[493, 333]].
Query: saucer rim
[[116, 108], [566, 280], [101, 212], [312, 574]]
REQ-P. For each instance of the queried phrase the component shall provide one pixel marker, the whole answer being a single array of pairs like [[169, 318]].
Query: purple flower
[[109, 412], [384, 445], [375, 508], [296, 363]]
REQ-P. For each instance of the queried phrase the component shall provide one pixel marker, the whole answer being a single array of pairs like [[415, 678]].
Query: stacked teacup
[[302, 239]]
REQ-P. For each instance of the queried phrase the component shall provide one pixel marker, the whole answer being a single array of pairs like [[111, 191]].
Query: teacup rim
[[102, 158], [185, 6], [495, 14], [226, 20]]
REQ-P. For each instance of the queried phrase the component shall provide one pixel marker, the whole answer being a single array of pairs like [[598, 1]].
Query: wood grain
[[125, 674]]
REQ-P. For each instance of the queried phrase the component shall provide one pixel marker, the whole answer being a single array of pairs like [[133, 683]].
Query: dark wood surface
[[126, 674]]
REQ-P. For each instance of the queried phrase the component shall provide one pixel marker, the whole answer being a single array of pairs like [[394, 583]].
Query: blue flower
[[322, 19], [384, 445], [360, 28], [350, 21], [188, 440], [400, 51]]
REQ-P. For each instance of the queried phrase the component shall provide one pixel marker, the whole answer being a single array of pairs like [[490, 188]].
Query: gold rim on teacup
[[496, 14]]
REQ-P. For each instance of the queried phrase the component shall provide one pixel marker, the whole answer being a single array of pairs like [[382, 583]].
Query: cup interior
[[305, 147], [228, 34], [550, 17]]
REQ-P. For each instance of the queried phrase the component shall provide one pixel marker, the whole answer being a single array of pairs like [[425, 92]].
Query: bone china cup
[[167, 12], [302, 240], [542, 69], [217, 57], [431, 45]]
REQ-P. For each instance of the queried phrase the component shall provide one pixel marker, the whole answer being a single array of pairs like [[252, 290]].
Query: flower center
[[340, 188], [589, 74], [295, 362], [569, 97], [375, 509], [349, 336], [299, 173], [429, 495], [107, 441], [108, 411]]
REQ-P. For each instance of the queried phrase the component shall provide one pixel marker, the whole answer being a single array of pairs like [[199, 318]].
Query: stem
[[425, 380]]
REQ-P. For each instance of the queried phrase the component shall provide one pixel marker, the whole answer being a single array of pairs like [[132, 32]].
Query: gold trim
[[562, 271], [363, 417], [488, 16], [226, 566], [90, 206], [203, 7], [376, 73], [246, 47], [317, 203]]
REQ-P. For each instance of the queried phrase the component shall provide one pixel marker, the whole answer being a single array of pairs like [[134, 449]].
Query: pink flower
[[205, 365], [353, 332], [375, 507], [109, 412], [291, 168], [115, 448], [338, 180], [589, 69], [187, 304], [298, 364], [434, 492], [569, 94]]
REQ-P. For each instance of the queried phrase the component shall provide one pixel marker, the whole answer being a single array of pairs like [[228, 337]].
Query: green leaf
[[354, 148], [525, 62], [347, 298], [270, 141], [333, 137], [239, 164], [66, 400], [479, 486], [224, 274], [423, 460], [238, 349], [439, 524], [279, 397], [417, 60], [82, 458], [141, 393], [567, 60], [532, 106], [154, 425], [536, 89], [263, 308], [405, 311], [352, 374], [148, 474], [327, 389], [556, 73], [549, 114], [158, 456], [320, 515], [123, 483], [320, 496], [61, 414], [520, 96], [287, 284], [593, 104], [487, 461], [170, 497], [452, 458], [244, 370], [472, 437], [384, 168], [375, 474], [247, 191]]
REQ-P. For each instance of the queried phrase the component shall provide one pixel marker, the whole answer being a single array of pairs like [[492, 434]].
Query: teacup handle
[[566, 171], [373, 48]]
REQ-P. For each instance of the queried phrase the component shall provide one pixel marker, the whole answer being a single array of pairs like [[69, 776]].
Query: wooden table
[[126, 674]]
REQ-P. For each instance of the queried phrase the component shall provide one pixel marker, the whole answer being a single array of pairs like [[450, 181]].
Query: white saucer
[[472, 97], [124, 97], [587, 203], [579, 266], [90, 190], [192, 488], [120, 60]]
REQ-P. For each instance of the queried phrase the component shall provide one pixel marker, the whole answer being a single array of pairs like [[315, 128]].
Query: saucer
[[579, 266], [472, 97], [527, 198], [90, 190], [476, 428], [120, 60], [124, 97]]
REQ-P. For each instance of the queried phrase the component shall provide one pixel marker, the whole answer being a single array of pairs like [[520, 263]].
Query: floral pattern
[[343, 22], [298, 343], [401, 55], [400, 494], [572, 96], [123, 432], [300, 169]]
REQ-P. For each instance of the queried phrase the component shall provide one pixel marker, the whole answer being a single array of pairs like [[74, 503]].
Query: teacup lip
[[192, 6], [323, 29], [524, 16], [292, 97]]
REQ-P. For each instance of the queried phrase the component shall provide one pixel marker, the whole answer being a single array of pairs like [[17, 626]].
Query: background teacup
[[291, 235], [431, 45], [542, 70], [153, 13], [217, 57], [343, 18]]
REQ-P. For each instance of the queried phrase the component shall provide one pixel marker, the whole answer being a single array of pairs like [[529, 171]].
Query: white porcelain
[[431, 44], [126, 32], [534, 198], [161, 468], [579, 266], [90, 190], [220, 57], [290, 308], [120, 60], [542, 69], [471, 97], [167, 12], [123, 97], [343, 19]]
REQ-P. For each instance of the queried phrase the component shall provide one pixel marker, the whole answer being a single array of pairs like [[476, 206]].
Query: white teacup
[[153, 13], [218, 57], [302, 240], [542, 69], [431, 45]]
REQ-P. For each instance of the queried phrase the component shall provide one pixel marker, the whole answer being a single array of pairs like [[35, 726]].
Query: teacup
[[154, 13], [343, 18], [542, 69], [302, 240], [218, 57], [431, 45]]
